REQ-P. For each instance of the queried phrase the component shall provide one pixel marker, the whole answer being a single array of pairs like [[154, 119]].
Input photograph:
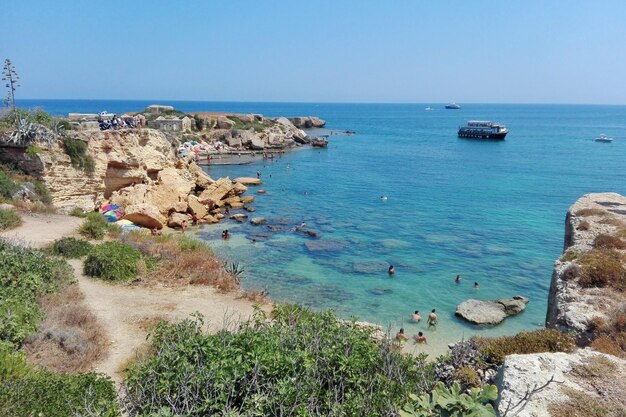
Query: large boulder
[[257, 221], [172, 187], [177, 219], [257, 144], [196, 208], [490, 312], [216, 191], [144, 215], [224, 123]]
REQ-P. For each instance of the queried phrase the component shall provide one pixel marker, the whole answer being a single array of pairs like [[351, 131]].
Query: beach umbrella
[[109, 207], [110, 216]]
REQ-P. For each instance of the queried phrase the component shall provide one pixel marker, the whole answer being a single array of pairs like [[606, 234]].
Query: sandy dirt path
[[128, 311]]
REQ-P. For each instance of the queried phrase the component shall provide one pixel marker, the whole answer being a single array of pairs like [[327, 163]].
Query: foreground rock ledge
[[491, 312]]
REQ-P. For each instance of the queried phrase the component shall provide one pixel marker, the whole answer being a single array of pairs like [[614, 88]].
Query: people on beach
[[391, 270], [183, 226], [476, 285], [225, 234], [416, 317], [432, 318], [401, 338], [457, 279], [420, 338], [155, 232]]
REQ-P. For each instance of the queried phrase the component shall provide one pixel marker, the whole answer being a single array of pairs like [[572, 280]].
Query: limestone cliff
[[572, 308]]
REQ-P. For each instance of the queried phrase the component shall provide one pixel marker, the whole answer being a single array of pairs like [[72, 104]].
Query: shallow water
[[490, 211]]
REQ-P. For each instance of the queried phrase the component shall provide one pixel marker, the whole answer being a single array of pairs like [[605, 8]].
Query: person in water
[[391, 270], [420, 338], [225, 234], [401, 338], [476, 285], [432, 318], [416, 317], [383, 198], [457, 279]]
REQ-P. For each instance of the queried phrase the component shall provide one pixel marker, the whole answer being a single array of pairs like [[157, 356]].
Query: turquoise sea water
[[490, 211]]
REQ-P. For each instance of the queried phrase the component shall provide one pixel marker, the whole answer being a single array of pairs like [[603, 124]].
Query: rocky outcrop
[[490, 312], [572, 308], [307, 122], [522, 374]]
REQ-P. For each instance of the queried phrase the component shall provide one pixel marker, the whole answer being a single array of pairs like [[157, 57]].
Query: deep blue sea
[[491, 211]]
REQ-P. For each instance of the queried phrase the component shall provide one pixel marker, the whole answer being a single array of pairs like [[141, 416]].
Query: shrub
[[302, 363], [27, 392], [113, 261], [569, 255], [610, 337], [602, 268], [467, 377], [77, 212], [25, 275], [580, 404], [70, 247], [571, 272], [591, 212], [33, 150], [605, 241], [584, 225], [77, 151], [8, 187], [43, 194], [543, 340], [9, 219], [94, 226]]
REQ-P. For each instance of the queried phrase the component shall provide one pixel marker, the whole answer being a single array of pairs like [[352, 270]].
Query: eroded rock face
[[521, 373], [490, 312], [572, 308]]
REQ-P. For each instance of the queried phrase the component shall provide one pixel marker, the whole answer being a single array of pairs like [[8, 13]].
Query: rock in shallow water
[[490, 312]]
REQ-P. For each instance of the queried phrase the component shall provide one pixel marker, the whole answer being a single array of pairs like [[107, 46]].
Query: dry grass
[[34, 207], [613, 221], [181, 260], [591, 212], [596, 367], [571, 272], [603, 268], [256, 296], [584, 225], [610, 337], [579, 404], [70, 339], [148, 322], [606, 241]]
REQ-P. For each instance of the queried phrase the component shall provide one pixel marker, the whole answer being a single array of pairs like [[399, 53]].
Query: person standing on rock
[[432, 318]]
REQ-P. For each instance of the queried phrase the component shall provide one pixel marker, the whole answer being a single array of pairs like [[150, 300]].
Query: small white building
[[171, 124]]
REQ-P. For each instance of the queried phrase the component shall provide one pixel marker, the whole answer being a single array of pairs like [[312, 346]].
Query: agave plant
[[234, 269], [28, 132], [57, 128]]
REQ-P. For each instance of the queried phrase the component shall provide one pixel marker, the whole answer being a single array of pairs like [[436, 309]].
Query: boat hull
[[482, 135]]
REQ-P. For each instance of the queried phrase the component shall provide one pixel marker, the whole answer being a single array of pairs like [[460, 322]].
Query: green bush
[[468, 377], [70, 247], [452, 402], [77, 212], [9, 219], [8, 187], [542, 340], [94, 227], [27, 391], [77, 151], [113, 261], [302, 363], [25, 274]]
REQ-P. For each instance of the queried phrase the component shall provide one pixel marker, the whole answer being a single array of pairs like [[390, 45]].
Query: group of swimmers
[[401, 338]]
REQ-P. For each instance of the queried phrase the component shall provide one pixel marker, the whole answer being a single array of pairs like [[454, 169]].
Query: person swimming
[[225, 234], [476, 285], [457, 279], [391, 270], [420, 338], [383, 198], [401, 338], [416, 317]]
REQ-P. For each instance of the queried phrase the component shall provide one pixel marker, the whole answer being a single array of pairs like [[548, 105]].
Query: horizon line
[[323, 102]]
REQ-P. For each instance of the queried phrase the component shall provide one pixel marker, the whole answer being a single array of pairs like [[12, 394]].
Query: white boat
[[603, 138], [429, 108]]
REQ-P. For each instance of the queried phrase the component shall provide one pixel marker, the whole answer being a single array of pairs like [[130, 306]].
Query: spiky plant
[[234, 269]]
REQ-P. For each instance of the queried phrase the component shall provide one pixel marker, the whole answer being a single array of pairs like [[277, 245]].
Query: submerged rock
[[308, 232], [490, 312], [239, 217], [370, 267], [257, 221], [326, 245]]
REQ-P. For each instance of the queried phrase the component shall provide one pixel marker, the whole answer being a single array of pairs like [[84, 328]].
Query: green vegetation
[[25, 274], [69, 247], [9, 219], [8, 187], [11, 180], [26, 391], [569, 256], [95, 226], [603, 268], [77, 151], [77, 212], [494, 350], [113, 261], [33, 150], [301, 363], [452, 402], [256, 125]]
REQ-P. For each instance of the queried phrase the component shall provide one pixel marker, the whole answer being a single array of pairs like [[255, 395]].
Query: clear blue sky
[[533, 51]]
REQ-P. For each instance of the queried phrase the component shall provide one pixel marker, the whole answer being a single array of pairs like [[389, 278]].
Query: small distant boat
[[453, 106], [603, 138], [478, 129], [429, 108]]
